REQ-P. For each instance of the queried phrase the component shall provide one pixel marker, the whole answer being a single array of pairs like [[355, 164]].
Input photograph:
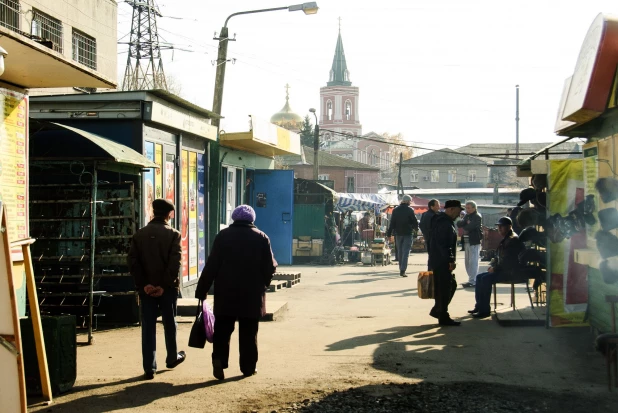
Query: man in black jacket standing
[[472, 224], [154, 261], [403, 224], [442, 257], [425, 224]]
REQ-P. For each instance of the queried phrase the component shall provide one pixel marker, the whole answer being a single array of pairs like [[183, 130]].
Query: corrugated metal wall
[[309, 220]]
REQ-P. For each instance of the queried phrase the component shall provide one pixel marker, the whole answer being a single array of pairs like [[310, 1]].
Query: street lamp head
[[308, 8], [312, 110]]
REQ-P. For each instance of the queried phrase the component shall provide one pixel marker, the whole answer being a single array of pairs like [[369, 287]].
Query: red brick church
[[340, 126]]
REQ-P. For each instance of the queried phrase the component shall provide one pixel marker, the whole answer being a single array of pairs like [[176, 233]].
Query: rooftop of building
[[326, 160]]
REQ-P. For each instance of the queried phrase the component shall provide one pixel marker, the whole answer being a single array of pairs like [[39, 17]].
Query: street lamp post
[[316, 147], [214, 180]]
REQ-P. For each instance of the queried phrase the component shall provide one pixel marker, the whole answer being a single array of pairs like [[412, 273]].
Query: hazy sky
[[440, 72]]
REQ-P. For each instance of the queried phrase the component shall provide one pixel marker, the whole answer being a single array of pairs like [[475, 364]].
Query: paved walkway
[[345, 326]]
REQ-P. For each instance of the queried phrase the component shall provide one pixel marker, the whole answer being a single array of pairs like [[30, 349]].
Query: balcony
[[31, 64]]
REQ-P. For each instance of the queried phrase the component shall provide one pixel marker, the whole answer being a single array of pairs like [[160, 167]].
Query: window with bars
[[9, 14], [84, 49], [47, 28]]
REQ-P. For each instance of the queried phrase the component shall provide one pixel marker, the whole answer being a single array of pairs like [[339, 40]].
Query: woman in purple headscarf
[[241, 265]]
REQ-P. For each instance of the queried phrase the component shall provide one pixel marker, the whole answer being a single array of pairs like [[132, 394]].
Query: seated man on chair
[[503, 267]]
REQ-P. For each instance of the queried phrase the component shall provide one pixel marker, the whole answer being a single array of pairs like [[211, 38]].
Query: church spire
[[339, 74]]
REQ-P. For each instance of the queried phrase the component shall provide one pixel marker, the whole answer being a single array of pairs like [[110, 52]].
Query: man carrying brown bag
[[442, 255]]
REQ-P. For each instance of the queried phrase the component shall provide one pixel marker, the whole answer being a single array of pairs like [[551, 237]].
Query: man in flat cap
[[505, 265], [154, 261], [442, 256]]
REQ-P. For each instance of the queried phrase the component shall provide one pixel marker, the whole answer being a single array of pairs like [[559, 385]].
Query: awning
[[61, 142], [363, 202], [264, 139], [524, 167]]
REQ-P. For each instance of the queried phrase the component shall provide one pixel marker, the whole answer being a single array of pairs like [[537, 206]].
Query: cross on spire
[[287, 91], [339, 18]]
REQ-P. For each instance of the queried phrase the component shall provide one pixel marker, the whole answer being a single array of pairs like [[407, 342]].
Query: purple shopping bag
[[209, 321]]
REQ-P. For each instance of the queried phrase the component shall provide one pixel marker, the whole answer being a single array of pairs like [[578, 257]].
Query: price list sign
[[14, 161]]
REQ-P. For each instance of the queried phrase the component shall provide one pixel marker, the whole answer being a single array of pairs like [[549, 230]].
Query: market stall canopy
[[308, 191], [363, 202], [419, 204], [56, 142]]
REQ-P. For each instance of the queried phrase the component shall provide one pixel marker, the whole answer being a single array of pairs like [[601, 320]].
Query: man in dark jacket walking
[[503, 267], [241, 265], [472, 225], [425, 224], [442, 257], [154, 261], [403, 224]]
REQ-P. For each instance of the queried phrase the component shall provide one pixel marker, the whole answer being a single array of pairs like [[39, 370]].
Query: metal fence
[[9, 14], [47, 28], [84, 49]]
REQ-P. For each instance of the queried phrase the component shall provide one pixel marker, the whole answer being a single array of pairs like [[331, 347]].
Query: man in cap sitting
[[154, 261], [403, 224], [502, 267]]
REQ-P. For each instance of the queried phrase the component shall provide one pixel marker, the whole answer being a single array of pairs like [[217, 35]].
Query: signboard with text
[[14, 161]]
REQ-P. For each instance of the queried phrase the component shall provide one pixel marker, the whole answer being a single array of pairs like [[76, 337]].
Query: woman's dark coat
[[241, 264]]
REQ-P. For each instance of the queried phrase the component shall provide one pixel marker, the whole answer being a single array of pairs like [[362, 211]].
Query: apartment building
[[59, 44]]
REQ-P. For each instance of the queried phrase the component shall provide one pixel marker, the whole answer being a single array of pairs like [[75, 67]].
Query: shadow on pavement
[[380, 337], [394, 271], [138, 392], [402, 293], [458, 397], [365, 280]]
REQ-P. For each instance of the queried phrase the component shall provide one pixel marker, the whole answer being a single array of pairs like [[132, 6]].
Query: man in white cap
[[472, 224], [403, 224]]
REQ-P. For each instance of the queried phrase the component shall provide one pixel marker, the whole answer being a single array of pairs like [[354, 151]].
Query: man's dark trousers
[[482, 291], [444, 290], [248, 330], [151, 306], [427, 244]]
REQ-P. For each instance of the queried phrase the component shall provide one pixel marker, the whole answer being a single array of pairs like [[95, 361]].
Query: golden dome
[[286, 118]]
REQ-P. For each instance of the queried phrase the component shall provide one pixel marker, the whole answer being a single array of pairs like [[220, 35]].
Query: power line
[[392, 168]]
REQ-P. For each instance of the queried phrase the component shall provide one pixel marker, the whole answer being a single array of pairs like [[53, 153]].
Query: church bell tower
[[339, 111]]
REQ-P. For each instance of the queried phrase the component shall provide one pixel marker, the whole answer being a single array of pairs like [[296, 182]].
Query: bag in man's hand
[[197, 338], [209, 321], [425, 285]]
